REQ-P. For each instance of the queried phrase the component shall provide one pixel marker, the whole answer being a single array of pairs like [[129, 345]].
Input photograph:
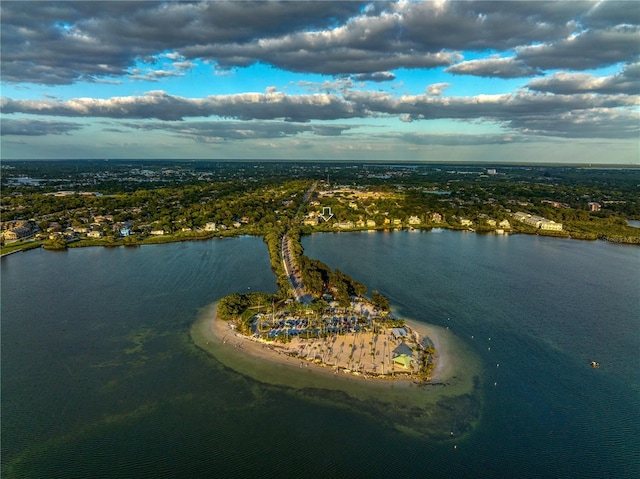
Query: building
[[210, 227], [414, 220], [550, 225], [537, 221], [593, 206], [15, 234], [343, 225], [465, 222], [436, 217]]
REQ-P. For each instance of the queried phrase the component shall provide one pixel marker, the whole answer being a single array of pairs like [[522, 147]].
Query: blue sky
[[533, 82]]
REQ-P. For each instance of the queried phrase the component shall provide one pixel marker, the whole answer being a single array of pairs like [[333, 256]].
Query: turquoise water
[[100, 379]]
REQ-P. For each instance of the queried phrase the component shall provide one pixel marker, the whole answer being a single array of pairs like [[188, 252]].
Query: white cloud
[[436, 89]]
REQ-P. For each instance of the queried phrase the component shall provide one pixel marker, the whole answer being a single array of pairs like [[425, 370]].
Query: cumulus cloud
[[338, 84], [488, 107], [494, 67], [513, 110], [28, 127], [595, 123], [375, 77], [436, 89], [627, 82], [154, 75], [64, 42], [162, 106], [588, 49], [206, 131]]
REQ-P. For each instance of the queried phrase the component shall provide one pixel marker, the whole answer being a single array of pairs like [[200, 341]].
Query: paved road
[[289, 266]]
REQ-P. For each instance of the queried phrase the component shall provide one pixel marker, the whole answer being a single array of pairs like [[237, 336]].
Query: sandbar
[[233, 348]]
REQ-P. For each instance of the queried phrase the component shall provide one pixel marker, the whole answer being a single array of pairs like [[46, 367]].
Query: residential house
[[343, 225], [15, 234], [537, 221]]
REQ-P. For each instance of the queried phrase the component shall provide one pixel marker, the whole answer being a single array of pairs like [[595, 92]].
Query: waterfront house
[[537, 221], [344, 225], [15, 234]]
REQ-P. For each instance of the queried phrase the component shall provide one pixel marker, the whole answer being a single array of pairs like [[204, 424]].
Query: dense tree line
[[319, 278]]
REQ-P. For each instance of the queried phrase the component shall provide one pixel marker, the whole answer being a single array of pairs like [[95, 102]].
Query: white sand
[[348, 353]]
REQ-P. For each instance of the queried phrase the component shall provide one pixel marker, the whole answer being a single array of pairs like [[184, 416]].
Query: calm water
[[100, 379]]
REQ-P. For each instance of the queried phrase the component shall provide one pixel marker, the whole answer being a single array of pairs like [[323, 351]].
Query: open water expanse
[[100, 377]]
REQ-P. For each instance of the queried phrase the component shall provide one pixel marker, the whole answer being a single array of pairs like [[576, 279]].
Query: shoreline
[[284, 353], [169, 239], [455, 366], [423, 409]]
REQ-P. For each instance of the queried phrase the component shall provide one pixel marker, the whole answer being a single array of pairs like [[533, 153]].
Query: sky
[[432, 81]]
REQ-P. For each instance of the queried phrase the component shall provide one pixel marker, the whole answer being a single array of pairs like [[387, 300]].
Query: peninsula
[[321, 319]]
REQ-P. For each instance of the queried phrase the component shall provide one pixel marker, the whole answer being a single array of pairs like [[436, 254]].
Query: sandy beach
[[363, 356]]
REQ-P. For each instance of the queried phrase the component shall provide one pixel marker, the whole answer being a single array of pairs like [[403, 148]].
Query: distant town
[[110, 203]]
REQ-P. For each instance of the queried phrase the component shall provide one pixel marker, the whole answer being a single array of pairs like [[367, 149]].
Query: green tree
[[380, 301], [231, 306]]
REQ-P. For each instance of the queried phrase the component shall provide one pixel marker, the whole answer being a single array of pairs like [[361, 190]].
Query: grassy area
[[20, 246]]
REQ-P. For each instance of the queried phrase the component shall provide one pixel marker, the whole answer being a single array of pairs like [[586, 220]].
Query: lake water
[[100, 377]]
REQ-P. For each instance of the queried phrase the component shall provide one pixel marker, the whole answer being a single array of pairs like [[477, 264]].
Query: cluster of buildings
[[537, 221], [16, 230], [315, 218]]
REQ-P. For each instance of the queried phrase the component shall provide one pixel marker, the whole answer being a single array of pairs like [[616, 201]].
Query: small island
[[361, 340]]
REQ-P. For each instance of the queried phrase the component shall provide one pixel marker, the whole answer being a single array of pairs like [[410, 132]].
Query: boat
[[594, 364]]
